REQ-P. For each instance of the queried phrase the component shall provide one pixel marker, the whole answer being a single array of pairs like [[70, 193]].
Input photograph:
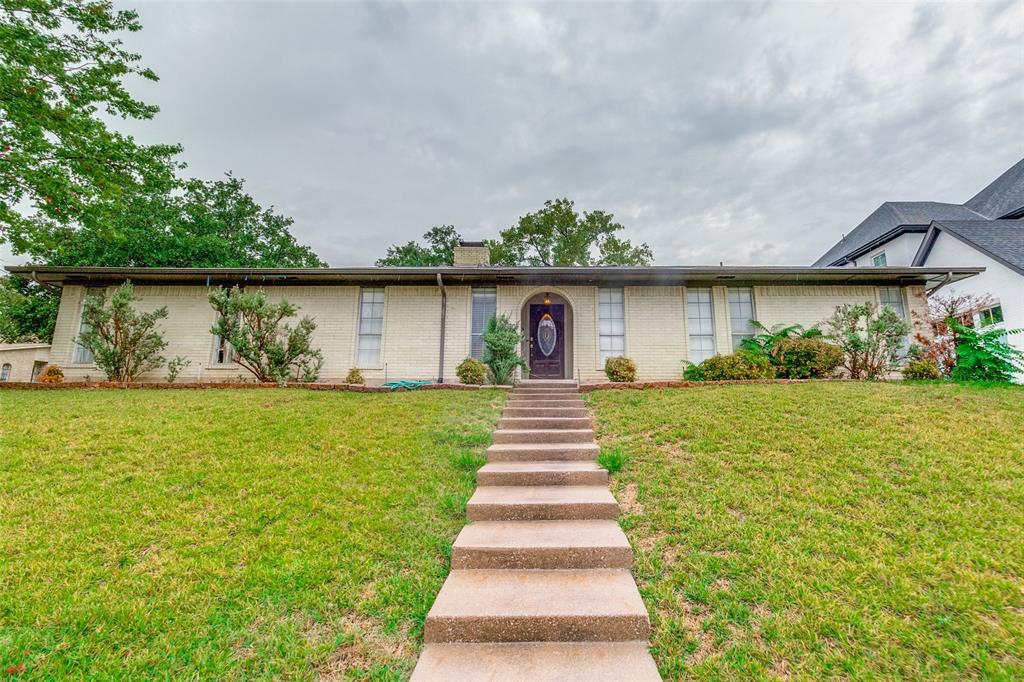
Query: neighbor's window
[[993, 315], [700, 318], [612, 323], [83, 356], [893, 298], [879, 260], [485, 304], [371, 324], [741, 314], [5, 371]]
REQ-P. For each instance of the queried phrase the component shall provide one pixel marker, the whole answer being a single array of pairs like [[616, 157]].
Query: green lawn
[[234, 534], [861, 531]]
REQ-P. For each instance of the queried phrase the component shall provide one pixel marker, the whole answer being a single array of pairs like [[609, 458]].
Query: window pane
[[741, 314], [879, 260], [893, 298], [371, 323], [484, 304], [84, 355], [701, 323], [611, 322]]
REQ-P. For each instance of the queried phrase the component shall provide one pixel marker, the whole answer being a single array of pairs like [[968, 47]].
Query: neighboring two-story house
[[985, 231]]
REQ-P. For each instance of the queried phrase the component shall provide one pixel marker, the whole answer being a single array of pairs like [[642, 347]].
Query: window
[[612, 323], [223, 352], [5, 371], [879, 260], [893, 298], [993, 315], [83, 356], [371, 323], [485, 304], [700, 318], [741, 314]]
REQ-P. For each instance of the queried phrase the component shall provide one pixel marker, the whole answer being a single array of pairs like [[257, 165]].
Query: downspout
[[947, 278], [444, 314]]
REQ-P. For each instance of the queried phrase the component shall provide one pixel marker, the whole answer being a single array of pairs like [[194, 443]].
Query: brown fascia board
[[651, 275]]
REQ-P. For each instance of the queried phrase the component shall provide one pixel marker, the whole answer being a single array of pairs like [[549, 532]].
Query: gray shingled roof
[[1005, 196], [1003, 240], [890, 216]]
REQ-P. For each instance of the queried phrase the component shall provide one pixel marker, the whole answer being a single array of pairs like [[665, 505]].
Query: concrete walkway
[[540, 588]]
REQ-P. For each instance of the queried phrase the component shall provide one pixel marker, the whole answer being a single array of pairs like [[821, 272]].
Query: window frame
[[983, 322], [733, 335], [472, 318], [379, 335], [613, 306], [5, 371], [876, 264], [80, 355], [903, 313], [710, 303]]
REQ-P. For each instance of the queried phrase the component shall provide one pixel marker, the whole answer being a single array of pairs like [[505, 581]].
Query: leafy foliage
[[612, 459], [766, 338], [439, 249], [742, 365], [124, 342], [940, 344], [471, 371], [502, 339], [559, 235], [175, 366], [61, 70], [355, 376], [53, 374], [922, 368], [804, 357], [870, 337], [267, 347], [619, 369], [984, 355], [28, 311]]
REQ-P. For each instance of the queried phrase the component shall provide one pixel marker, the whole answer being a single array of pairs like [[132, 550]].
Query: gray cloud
[[736, 132]]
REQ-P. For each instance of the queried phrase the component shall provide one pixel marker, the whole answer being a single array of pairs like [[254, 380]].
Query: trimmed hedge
[[741, 365], [805, 358], [471, 371], [618, 369], [921, 369], [354, 376]]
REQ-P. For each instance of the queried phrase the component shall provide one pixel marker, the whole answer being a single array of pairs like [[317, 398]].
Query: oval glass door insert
[[547, 335]]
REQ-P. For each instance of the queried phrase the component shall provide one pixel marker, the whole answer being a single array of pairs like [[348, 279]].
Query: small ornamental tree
[[940, 345], [267, 347], [124, 343], [870, 336], [984, 355], [502, 339]]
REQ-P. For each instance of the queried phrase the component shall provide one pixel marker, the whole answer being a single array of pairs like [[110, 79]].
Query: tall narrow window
[[371, 323], [5, 372], [83, 356], [741, 314], [700, 318], [893, 298], [612, 322], [485, 303], [223, 352]]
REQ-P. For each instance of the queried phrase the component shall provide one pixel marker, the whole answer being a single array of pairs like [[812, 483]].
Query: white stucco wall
[[656, 334], [898, 251]]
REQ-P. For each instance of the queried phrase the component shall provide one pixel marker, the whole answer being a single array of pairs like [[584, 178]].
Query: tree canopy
[[555, 235]]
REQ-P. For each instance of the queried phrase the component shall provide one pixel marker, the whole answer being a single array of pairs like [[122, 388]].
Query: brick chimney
[[472, 253]]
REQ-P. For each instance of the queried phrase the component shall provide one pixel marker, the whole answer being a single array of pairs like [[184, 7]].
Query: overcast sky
[[734, 132]]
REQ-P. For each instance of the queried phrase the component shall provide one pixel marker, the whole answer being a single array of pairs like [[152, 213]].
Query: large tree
[[555, 235], [438, 249], [61, 69]]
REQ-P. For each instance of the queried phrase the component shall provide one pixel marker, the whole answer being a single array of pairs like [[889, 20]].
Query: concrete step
[[537, 606], [543, 436], [542, 544], [575, 403], [530, 452], [544, 412], [513, 423], [531, 393], [548, 383], [541, 503], [578, 472], [537, 662]]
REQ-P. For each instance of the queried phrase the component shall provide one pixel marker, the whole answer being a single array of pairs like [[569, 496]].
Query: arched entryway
[[547, 322]]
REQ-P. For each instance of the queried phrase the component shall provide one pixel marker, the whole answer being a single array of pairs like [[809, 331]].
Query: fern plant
[[766, 338]]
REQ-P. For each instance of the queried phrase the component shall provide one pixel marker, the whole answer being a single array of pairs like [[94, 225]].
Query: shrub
[[737, 366], [124, 343], [984, 355], [613, 460], [619, 369], [922, 368], [53, 374], [471, 371], [175, 366], [354, 376], [765, 340], [870, 337], [804, 357], [502, 340], [265, 346]]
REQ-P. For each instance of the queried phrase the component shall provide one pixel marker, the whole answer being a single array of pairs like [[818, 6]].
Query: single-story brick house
[[23, 361], [420, 323]]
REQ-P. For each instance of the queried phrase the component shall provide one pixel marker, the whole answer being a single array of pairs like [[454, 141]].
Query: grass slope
[[863, 531], [228, 534]]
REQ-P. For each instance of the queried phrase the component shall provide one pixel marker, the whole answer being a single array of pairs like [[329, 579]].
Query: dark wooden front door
[[547, 341]]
